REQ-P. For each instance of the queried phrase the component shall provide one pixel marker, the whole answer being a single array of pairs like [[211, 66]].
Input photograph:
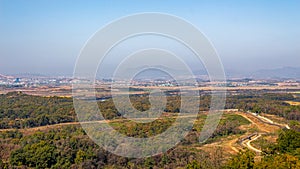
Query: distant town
[[62, 86]]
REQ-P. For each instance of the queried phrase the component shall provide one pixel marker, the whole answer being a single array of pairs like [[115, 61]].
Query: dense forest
[[19, 110], [70, 147]]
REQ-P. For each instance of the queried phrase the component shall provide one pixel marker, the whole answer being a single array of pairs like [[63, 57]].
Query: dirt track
[[48, 127], [248, 143], [259, 125], [262, 124]]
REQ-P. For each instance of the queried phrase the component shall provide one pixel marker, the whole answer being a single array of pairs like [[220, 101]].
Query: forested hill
[[68, 146], [18, 110]]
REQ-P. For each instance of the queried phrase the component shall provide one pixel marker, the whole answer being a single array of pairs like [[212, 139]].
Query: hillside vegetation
[[30, 138]]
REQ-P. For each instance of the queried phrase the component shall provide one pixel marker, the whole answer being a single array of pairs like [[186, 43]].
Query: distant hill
[[5, 77], [23, 75], [29, 75], [158, 72], [2, 76], [280, 73]]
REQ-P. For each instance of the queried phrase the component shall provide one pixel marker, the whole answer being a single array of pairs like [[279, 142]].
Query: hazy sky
[[45, 36]]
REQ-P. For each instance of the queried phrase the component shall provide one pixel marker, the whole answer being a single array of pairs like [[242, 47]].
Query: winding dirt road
[[262, 124], [247, 143], [258, 127]]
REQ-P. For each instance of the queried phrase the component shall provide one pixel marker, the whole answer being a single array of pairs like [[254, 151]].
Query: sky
[[46, 36]]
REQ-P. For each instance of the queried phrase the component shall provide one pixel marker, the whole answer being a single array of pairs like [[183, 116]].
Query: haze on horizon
[[46, 36]]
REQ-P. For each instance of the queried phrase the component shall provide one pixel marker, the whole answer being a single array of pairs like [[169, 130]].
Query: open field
[[103, 91], [293, 103]]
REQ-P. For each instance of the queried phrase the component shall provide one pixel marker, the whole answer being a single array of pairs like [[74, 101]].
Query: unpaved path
[[260, 124], [44, 128], [263, 124], [247, 143]]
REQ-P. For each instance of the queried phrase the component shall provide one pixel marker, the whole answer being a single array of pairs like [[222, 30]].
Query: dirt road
[[53, 126], [262, 124], [247, 143], [258, 126]]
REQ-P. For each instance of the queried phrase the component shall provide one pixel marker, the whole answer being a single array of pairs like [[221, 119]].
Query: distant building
[[17, 80]]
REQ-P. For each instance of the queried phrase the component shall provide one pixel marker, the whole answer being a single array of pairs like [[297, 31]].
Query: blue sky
[[45, 36]]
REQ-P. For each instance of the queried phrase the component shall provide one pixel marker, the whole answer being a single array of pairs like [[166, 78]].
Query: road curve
[[248, 143], [260, 123]]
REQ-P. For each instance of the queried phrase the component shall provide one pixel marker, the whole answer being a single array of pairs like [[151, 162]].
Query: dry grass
[[293, 103], [263, 127]]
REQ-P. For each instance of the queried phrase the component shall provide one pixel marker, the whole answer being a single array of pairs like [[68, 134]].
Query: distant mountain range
[[280, 73], [5, 77], [26, 75]]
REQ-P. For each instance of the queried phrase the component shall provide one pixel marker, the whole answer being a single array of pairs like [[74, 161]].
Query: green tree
[[279, 161], [1, 164], [194, 165], [80, 156], [149, 163], [243, 160], [38, 155], [164, 160], [288, 141]]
